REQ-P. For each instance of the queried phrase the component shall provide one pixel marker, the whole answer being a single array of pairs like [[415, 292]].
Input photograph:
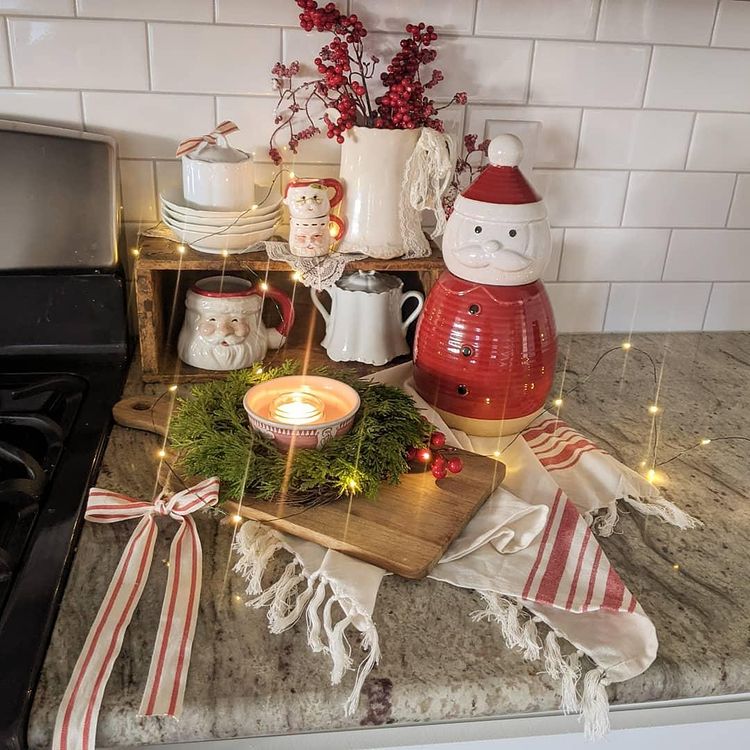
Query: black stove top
[[56, 398]]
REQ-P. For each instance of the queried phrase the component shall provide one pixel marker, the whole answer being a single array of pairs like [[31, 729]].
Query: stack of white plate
[[219, 231]]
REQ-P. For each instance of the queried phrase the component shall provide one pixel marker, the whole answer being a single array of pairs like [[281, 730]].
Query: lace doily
[[317, 273]]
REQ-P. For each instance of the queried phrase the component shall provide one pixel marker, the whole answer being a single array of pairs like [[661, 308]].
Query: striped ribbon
[[75, 727], [223, 128]]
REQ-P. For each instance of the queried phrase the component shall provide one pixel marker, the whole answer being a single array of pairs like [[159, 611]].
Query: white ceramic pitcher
[[365, 322]]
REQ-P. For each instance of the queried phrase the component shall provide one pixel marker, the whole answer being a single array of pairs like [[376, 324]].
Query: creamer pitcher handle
[[319, 305], [420, 304]]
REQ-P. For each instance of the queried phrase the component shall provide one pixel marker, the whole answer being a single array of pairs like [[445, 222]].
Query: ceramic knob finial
[[505, 150]]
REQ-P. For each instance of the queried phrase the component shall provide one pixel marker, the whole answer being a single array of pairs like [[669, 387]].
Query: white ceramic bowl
[[175, 201], [219, 243], [247, 224], [227, 229], [341, 403]]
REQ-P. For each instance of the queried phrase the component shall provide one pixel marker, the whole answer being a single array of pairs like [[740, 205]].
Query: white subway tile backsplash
[[578, 308], [78, 54], [678, 199], [739, 215], [579, 198], [487, 69], [148, 126], [721, 142], [212, 59], [589, 74], [152, 10], [699, 78], [613, 254], [553, 267], [634, 139], [732, 24], [656, 307], [708, 255], [257, 12], [728, 308], [38, 7], [657, 21], [138, 193], [558, 137], [562, 19], [46, 107], [393, 15], [5, 77]]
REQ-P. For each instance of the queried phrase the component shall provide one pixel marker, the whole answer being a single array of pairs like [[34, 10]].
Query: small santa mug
[[312, 227]]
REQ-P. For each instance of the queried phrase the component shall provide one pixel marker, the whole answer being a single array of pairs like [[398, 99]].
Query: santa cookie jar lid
[[502, 183]]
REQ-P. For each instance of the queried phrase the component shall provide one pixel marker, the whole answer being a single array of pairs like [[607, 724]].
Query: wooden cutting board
[[405, 529]]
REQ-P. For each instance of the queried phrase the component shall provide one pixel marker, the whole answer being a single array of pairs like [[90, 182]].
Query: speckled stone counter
[[437, 664]]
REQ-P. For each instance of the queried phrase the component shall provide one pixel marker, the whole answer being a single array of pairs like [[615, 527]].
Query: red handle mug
[[309, 199]]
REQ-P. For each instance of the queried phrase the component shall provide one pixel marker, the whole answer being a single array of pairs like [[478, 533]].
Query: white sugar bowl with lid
[[366, 322], [216, 176]]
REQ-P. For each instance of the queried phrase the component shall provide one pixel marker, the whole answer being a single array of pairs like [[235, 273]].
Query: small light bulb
[[297, 276], [705, 441], [653, 409], [353, 486], [181, 249], [643, 464], [135, 252], [496, 454], [254, 206], [558, 402], [162, 453], [236, 518], [225, 253], [237, 598], [651, 475], [173, 387], [675, 567], [626, 345], [292, 175], [264, 286], [258, 370]]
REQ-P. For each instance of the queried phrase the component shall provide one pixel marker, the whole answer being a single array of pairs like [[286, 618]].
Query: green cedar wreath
[[211, 433]]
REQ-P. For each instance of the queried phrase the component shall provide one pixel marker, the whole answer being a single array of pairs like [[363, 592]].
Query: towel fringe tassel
[[595, 704], [663, 509]]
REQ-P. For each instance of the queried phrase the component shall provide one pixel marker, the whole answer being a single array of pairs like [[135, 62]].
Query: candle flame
[[297, 408]]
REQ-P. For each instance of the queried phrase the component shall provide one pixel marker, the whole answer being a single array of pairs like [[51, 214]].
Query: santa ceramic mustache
[[485, 347]]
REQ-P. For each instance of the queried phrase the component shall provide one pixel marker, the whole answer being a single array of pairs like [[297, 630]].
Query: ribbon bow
[[223, 129], [75, 728]]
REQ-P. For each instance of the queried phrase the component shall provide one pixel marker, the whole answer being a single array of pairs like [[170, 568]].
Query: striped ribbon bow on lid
[[75, 728], [190, 144]]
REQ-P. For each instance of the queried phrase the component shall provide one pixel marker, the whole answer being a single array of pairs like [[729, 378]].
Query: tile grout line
[[11, 66], [598, 20], [474, 17], [690, 141], [666, 254], [625, 197], [712, 35], [649, 70], [606, 307], [708, 304], [579, 139], [731, 201], [531, 72], [148, 58]]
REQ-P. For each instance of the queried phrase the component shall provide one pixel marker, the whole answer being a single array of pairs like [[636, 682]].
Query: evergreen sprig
[[211, 433]]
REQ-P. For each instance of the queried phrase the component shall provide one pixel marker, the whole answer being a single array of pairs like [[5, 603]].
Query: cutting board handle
[[149, 413]]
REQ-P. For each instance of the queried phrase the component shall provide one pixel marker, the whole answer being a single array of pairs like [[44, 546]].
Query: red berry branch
[[468, 167], [437, 456], [342, 87]]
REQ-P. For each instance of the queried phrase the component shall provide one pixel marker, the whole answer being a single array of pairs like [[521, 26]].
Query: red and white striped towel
[[530, 553]]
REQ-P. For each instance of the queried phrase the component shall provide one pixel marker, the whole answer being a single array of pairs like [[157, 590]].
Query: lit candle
[[297, 408]]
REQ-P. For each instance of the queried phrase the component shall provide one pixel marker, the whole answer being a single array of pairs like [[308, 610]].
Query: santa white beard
[[219, 356]]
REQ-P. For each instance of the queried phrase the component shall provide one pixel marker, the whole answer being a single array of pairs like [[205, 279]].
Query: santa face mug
[[223, 329], [310, 238], [309, 199]]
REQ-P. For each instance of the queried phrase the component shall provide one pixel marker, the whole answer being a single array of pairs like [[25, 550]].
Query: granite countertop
[[437, 664]]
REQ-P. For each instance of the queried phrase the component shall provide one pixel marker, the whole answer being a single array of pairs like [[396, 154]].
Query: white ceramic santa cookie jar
[[486, 344]]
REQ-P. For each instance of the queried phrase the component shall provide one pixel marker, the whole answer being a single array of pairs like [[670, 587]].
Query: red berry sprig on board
[[438, 456]]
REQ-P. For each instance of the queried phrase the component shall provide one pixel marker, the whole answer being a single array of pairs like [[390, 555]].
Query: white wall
[[644, 153]]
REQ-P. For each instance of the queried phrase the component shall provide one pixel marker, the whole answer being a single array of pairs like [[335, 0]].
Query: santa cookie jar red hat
[[485, 347]]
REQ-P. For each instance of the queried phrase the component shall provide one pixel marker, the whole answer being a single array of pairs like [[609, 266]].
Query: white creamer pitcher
[[365, 322]]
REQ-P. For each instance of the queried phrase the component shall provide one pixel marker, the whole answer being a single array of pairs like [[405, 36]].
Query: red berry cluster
[[438, 456], [330, 18]]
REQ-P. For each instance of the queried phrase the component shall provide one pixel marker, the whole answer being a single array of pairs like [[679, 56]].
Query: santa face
[[308, 201], [495, 252]]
